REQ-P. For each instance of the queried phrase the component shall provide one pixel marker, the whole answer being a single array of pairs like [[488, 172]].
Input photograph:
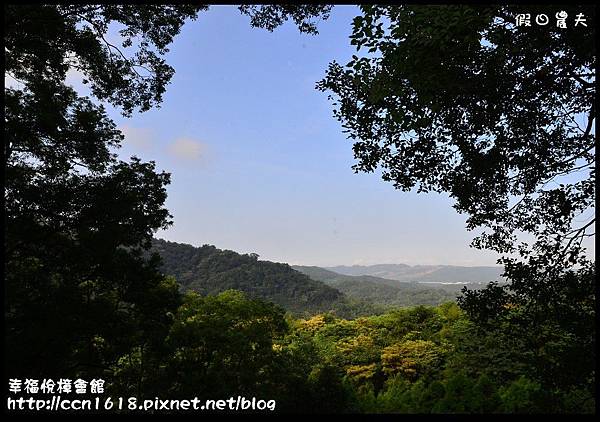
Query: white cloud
[[187, 149]]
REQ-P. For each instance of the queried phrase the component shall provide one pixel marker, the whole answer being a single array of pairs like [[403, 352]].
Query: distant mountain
[[209, 270], [423, 273], [300, 290], [381, 290], [327, 276]]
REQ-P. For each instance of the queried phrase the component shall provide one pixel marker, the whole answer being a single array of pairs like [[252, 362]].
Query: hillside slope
[[380, 290], [209, 270]]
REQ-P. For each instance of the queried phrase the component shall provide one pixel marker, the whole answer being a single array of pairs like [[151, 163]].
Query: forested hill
[[380, 290], [300, 290], [209, 270]]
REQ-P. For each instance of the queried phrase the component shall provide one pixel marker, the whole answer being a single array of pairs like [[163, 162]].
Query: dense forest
[[208, 270], [299, 290], [393, 355], [502, 122], [380, 290], [414, 360]]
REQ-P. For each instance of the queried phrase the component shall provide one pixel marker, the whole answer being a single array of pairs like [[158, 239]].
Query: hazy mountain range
[[304, 290], [443, 274], [381, 290]]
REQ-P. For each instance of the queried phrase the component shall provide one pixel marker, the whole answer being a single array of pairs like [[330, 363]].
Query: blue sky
[[260, 165]]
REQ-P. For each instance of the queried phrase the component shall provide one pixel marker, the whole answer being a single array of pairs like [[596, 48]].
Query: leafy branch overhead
[[459, 99]]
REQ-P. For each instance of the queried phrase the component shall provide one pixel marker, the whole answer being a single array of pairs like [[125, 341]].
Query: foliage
[[222, 345], [78, 292], [209, 270], [411, 358], [435, 360], [501, 120], [379, 290], [272, 15], [492, 121], [494, 117]]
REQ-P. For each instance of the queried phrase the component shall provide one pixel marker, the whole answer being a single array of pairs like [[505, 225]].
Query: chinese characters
[[541, 19]]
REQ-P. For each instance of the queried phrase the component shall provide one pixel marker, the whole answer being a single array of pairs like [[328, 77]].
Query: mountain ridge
[[423, 273], [380, 290], [209, 270], [300, 290]]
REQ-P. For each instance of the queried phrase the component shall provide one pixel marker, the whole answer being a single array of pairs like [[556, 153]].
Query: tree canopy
[[455, 99], [459, 99], [78, 290]]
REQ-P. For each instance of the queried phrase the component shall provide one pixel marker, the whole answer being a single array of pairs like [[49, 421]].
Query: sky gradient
[[259, 164]]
